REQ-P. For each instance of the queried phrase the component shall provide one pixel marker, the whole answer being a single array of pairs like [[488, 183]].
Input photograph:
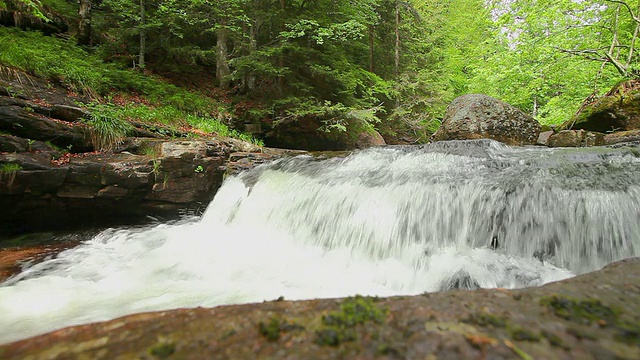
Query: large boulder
[[592, 316], [618, 110], [477, 116]]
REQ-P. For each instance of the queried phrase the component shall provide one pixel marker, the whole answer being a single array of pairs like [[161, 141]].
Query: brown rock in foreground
[[593, 316]]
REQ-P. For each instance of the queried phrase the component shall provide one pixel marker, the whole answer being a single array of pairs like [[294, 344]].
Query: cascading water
[[384, 221]]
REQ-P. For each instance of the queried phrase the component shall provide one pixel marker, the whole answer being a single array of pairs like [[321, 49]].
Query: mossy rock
[[617, 112]]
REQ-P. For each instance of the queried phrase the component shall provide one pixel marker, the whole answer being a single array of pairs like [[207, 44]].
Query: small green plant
[[199, 169], [30, 144], [8, 172], [107, 130], [8, 168]]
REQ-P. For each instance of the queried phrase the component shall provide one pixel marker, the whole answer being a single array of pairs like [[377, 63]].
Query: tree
[[84, 25]]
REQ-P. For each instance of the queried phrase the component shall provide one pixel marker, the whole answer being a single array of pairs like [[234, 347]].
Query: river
[[382, 221]]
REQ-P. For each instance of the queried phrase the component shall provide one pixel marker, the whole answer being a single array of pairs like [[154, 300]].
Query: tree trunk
[[397, 44], [253, 45], [143, 34], [283, 6], [84, 26], [371, 67], [222, 58]]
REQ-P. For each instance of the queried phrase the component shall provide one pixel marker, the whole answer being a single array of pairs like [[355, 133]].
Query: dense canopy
[[391, 65]]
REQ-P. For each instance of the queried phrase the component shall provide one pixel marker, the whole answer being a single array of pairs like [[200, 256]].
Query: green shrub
[[107, 129]]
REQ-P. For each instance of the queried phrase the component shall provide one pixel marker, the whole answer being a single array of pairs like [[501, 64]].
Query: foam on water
[[387, 221]]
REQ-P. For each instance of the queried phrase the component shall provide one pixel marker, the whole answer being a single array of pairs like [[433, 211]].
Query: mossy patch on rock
[[486, 319], [521, 334], [339, 326], [162, 350], [583, 311], [619, 110], [554, 339], [275, 326]]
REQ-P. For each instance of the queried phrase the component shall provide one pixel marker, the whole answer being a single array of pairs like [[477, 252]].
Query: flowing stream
[[383, 221]]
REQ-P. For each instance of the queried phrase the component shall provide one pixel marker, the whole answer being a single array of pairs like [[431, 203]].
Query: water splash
[[385, 221]]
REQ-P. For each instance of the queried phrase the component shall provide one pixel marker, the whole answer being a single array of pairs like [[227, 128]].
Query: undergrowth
[[62, 62]]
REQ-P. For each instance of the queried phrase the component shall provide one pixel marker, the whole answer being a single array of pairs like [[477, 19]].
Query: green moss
[[339, 326], [486, 319], [521, 334], [332, 336], [554, 339], [581, 333], [385, 349], [162, 350], [583, 311], [275, 326], [628, 332], [228, 334]]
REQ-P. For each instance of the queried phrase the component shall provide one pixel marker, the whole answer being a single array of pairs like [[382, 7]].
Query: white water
[[388, 221]]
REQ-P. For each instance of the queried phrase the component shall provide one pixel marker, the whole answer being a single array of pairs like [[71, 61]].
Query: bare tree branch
[[624, 3]]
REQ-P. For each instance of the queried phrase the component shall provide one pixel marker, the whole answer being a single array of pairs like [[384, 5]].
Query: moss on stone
[[521, 334], [275, 326], [583, 311], [628, 332], [339, 326], [486, 319], [554, 339], [581, 333], [162, 350]]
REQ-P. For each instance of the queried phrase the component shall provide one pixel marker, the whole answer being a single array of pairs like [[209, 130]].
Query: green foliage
[[9, 168], [107, 129]]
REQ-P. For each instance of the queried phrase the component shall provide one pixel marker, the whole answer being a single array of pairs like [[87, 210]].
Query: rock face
[[303, 134], [593, 316], [576, 138], [161, 179], [621, 137], [478, 116], [618, 110]]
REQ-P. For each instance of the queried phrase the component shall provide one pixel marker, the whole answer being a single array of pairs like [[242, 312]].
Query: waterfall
[[382, 221]]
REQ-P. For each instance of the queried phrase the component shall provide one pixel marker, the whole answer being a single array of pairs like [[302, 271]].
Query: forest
[[388, 65]]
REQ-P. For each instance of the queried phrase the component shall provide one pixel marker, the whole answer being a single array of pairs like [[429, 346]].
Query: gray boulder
[[477, 116]]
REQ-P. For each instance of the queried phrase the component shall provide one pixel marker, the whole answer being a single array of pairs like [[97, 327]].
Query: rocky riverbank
[[593, 316], [52, 177]]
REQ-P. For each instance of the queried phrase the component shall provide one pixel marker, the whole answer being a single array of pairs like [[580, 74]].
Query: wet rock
[[96, 188], [543, 138], [460, 280], [477, 116], [29, 125], [576, 138], [592, 316], [622, 137]]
